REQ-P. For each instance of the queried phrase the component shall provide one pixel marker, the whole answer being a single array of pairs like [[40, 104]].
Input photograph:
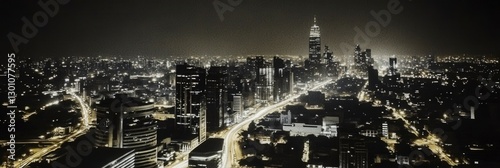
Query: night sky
[[255, 27]]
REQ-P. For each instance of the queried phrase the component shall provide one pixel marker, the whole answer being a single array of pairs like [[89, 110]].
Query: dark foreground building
[[208, 154]]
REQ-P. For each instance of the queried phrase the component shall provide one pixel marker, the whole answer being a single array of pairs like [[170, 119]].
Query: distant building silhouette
[[393, 63], [283, 79], [372, 77]]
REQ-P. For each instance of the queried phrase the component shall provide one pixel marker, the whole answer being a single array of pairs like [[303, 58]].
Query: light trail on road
[[227, 156]]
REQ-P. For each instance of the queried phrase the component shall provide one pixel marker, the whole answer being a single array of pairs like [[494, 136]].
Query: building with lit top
[[315, 43]]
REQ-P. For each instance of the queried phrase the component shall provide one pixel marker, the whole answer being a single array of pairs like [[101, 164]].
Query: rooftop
[[210, 145]]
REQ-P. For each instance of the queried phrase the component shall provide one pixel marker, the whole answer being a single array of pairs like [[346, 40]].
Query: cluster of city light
[[431, 141]]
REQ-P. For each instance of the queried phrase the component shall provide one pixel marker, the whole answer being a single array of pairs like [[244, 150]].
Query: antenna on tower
[[314, 20]]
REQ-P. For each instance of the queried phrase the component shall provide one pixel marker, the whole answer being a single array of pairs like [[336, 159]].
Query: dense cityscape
[[324, 110]]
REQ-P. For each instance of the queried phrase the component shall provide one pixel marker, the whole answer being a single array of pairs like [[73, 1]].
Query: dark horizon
[[185, 28]]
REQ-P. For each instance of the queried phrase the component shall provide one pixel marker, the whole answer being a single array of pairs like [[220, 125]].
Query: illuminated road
[[81, 131], [231, 136], [84, 109], [431, 141], [362, 96]]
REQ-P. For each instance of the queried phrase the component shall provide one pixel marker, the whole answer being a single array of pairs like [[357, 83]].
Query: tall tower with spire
[[315, 43]]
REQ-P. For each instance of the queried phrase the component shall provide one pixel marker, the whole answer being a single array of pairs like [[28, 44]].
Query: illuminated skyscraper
[[362, 61], [127, 122], [358, 60], [190, 108], [264, 80], [315, 43], [237, 104]]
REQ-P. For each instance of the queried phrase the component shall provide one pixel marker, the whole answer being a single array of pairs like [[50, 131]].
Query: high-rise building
[[290, 81], [358, 60], [190, 108], [281, 75], [263, 80], [362, 61], [258, 63], [372, 77], [313, 64], [357, 55], [237, 104], [216, 97], [332, 67], [369, 59], [127, 122], [315, 43], [393, 65]]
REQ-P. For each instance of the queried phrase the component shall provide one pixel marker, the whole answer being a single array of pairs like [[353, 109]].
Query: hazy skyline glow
[[183, 28]]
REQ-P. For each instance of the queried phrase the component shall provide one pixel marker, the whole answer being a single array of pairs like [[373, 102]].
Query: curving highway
[[85, 110]]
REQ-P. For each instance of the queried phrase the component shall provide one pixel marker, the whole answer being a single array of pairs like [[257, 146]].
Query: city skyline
[[253, 84], [159, 29]]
